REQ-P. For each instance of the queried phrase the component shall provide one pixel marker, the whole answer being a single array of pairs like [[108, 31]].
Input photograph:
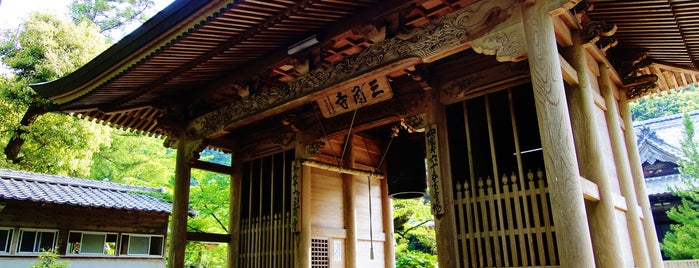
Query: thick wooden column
[[444, 223], [567, 204], [350, 204], [234, 210], [389, 249], [303, 239], [639, 182], [633, 216], [187, 150], [604, 228]]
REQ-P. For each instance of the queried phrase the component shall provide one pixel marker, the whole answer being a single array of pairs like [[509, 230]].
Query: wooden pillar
[[444, 224], [389, 250], [604, 228], [567, 204], [234, 210], [639, 182], [303, 239], [187, 150], [350, 211], [633, 217]]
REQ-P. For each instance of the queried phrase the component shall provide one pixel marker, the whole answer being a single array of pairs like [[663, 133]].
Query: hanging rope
[[371, 223], [349, 133], [325, 136]]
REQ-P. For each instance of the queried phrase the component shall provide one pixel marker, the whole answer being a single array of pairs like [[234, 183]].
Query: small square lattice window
[[319, 253]]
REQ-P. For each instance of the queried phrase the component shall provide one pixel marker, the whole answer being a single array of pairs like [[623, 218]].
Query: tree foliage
[[110, 15], [415, 238], [133, 159], [665, 104], [682, 242], [45, 48]]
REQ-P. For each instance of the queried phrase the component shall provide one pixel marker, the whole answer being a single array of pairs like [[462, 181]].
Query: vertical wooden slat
[[471, 171], [248, 261], [500, 221], [461, 202], [507, 195], [486, 252], [513, 178], [536, 220], [519, 195], [548, 224], [283, 220], [258, 226], [470, 224], [493, 234]]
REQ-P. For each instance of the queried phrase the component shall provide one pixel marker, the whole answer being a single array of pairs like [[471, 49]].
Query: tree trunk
[[17, 141]]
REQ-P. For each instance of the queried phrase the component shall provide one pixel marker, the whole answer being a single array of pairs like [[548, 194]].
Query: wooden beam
[[280, 56], [590, 190], [570, 75], [213, 167], [208, 237], [342, 170], [381, 59]]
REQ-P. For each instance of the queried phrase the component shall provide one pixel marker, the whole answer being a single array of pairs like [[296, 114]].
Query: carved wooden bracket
[[637, 85], [432, 41], [506, 40]]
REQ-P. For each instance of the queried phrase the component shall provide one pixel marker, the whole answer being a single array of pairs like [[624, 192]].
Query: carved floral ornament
[[432, 41]]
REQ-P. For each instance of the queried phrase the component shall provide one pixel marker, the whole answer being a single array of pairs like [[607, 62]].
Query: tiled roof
[[662, 185], [21, 185]]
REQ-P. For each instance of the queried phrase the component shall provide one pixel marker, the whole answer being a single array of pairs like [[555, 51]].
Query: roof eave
[[125, 52]]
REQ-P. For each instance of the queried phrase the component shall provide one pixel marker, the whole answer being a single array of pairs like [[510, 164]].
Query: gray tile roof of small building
[[662, 185], [36, 187]]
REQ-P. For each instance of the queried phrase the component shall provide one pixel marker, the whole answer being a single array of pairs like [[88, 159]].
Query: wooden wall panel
[[361, 190], [326, 198], [606, 147], [364, 254], [625, 238], [37, 215]]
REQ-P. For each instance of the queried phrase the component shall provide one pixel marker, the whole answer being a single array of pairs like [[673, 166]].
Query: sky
[[13, 11]]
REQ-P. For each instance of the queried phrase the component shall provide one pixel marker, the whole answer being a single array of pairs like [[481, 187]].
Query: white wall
[[81, 262]]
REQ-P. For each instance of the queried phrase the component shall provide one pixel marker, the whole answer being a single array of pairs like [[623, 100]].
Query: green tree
[[415, 238], [131, 158], [110, 15], [665, 104], [45, 48], [49, 259], [682, 242]]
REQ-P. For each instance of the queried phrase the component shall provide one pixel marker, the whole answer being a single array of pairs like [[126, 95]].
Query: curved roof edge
[[162, 23]]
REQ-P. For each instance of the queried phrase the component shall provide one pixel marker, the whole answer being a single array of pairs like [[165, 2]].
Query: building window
[[36, 240], [5, 239], [133, 244], [92, 243]]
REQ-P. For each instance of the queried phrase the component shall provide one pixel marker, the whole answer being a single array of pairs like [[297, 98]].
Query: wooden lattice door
[[502, 208]]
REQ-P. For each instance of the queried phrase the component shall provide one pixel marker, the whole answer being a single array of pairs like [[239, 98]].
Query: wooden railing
[[681, 264], [266, 242], [505, 222]]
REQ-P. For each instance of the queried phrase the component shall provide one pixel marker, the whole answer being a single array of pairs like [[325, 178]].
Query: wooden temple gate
[[530, 156]]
